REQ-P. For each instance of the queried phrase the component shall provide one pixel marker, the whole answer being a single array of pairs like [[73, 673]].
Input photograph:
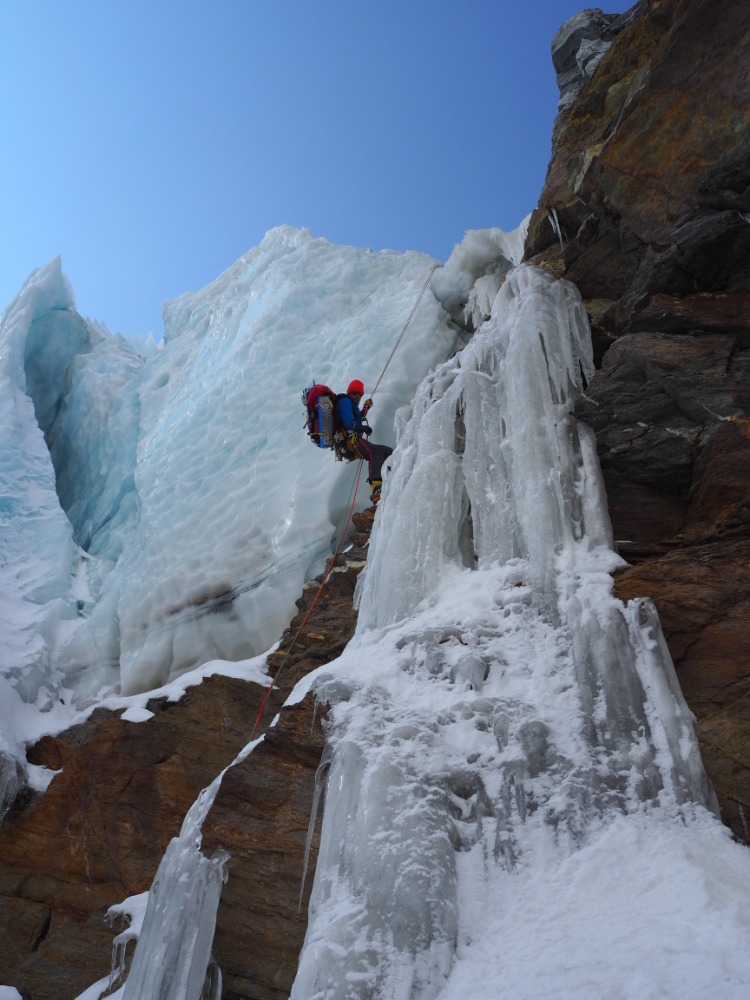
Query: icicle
[[174, 947], [119, 955], [320, 776], [12, 782], [555, 222], [212, 987]]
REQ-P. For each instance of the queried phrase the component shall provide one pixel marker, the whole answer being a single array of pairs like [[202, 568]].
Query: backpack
[[322, 422]]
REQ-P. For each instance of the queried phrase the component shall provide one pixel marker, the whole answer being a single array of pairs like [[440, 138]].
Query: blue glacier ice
[[40, 336], [162, 508]]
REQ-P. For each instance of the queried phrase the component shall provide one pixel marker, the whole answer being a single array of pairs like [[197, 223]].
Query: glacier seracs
[[162, 508], [40, 331]]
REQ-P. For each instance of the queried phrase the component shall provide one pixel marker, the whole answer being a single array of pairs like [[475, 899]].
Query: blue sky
[[152, 144]]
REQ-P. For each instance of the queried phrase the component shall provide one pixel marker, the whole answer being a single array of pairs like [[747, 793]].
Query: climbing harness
[[352, 501]]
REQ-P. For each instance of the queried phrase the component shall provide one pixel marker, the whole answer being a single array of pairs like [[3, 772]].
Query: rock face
[[98, 833], [649, 174], [646, 207], [261, 816]]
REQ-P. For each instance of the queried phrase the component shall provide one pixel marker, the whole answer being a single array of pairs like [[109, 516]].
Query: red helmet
[[356, 386]]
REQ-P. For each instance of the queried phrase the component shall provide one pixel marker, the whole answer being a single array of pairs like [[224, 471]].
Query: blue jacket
[[350, 417]]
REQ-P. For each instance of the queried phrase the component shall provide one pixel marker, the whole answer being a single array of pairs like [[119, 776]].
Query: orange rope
[[310, 610]]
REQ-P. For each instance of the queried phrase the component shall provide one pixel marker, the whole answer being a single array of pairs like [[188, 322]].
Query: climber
[[352, 422]]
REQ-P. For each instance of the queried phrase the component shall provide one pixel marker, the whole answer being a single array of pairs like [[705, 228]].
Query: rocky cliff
[[646, 207]]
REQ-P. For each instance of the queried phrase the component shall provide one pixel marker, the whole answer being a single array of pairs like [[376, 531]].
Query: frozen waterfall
[[499, 713], [174, 948]]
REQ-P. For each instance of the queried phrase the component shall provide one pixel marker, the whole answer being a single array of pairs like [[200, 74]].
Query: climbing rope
[[353, 499], [406, 326], [329, 570]]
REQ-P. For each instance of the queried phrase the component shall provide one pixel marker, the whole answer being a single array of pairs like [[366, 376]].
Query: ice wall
[[498, 708], [37, 546], [161, 512], [39, 334], [235, 507], [162, 508], [67, 439]]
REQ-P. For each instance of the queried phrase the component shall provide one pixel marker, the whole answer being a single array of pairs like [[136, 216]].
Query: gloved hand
[[366, 407], [366, 429]]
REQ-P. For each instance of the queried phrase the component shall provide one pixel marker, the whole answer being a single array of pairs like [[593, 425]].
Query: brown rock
[[649, 176], [719, 499], [98, 833], [261, 816], [657, 399], [688, 313], [650, 184]]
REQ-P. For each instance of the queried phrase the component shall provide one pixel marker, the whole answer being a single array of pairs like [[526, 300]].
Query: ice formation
[[234, 508], [174, 948], [498, 710], [162, 508], [41, 335]]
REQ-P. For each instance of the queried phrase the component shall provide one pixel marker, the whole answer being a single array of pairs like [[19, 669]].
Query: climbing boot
[[375, 491]]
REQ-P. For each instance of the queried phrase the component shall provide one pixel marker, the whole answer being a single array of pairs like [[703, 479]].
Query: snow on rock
[[501, 725], [578, 47], [476, 269]]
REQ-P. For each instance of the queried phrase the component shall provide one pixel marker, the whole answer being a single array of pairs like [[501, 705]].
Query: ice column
[[494, 469], [490, 466], [174, 947], [497, 699]]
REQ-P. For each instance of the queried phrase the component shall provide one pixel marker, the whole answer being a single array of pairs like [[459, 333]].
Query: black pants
[[373, 454]]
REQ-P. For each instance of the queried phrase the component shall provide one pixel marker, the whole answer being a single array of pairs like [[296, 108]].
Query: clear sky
[[151, 143]]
